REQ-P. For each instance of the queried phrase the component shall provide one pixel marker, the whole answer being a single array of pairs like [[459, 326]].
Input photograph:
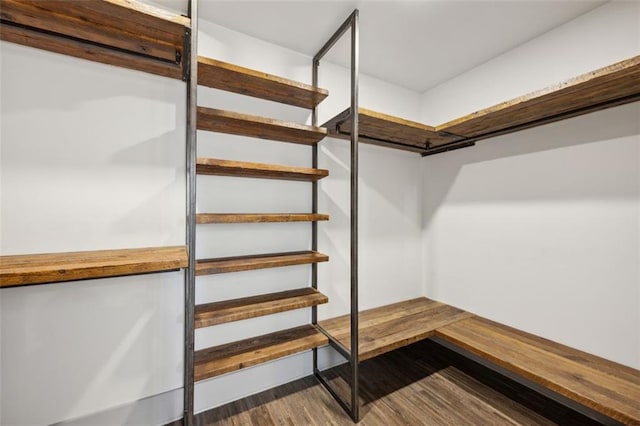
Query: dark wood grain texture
[[250, 307], [56, 267], [237, 79], [223, 359], [261, 261], [604, 386], [393, 326], [616, 81], [100, 30], [235, 123], [203, 218], [217, 167]]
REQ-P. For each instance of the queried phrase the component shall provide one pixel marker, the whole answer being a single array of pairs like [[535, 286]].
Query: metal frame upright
[[191, 63], [353, 408]]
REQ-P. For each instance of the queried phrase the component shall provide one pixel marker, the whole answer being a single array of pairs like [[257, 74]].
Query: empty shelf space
[[124, 33], [393, 326], [386, 130], [56, 267], [237, 79], [203, 218], [604, 386], [214, 166], [235, 123], [261, 261], [250, 307], [230, 357], [615, 84]]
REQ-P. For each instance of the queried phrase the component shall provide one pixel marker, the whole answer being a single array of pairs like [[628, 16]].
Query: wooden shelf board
[[386, 130], [261, 261], [217, 167], [607, 387], [203, 218], [237, 79], [235, 123], [393, 326], [30, 269], [615, 84], [117, 32], [250, 307], [223, 359]]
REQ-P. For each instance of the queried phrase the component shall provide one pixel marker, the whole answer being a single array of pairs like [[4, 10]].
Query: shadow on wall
[[534, 164]]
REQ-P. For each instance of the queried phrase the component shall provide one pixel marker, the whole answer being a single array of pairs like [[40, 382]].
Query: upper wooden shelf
[[385, 130], [237, 79], [124, 33], [393, 326], [30, 269]]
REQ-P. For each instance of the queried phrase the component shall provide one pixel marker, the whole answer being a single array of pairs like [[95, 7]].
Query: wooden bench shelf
[[393, 326], [216, 120], [203, 218], [31, 269], [124, 33], [261, 261], [237, 79], [250, 307], [217, 167], [610, 86], [604, 386], [223, 359]]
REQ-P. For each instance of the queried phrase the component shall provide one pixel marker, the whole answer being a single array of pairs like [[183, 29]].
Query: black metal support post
[[190, 61], [352, 355]]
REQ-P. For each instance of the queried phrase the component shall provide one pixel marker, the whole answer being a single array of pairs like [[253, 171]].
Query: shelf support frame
[[353, 408]]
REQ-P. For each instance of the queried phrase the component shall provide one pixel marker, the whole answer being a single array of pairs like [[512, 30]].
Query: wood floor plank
[[261, 261], [45, 268], [250, 307], [217, 167]]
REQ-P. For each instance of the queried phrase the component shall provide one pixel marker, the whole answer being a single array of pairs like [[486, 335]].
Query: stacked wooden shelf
[[125, 33], [57, 267], [616, 84], [233, 356]]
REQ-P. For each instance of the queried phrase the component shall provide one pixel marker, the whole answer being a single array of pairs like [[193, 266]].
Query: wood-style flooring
[[421, 384]]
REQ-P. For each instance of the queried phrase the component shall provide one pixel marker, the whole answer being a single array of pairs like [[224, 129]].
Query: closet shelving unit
[[116, 32]]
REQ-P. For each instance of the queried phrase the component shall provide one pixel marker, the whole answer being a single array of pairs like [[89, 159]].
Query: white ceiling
[[413, 44]]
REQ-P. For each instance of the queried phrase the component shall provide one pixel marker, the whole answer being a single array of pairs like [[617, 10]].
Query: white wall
[[541, 229]]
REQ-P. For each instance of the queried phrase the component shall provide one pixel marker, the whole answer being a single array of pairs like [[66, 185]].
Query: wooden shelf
[[223, 359], [250, 307], [616, 84], [385, 130], [202, 218], [235, 123], [124, 33], [261, 261], [607, 387], [393, 326], [237, 79], [56, 267], [214, 166]]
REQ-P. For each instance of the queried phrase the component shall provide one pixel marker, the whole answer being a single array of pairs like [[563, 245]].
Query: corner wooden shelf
[[223, 265], [250, 307], [237, 79], [393, 326], [223, 359], [613, 85], [216, 120], [217, 167], [385, 130], [604, 386], [204, 218], [31, 269], [124, 33]]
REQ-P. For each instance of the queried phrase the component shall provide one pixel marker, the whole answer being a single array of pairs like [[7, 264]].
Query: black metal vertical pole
[[314, 209], [355, 55], [189, 292]]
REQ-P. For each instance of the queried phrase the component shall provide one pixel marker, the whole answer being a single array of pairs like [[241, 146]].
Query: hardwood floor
[[421, 384]]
